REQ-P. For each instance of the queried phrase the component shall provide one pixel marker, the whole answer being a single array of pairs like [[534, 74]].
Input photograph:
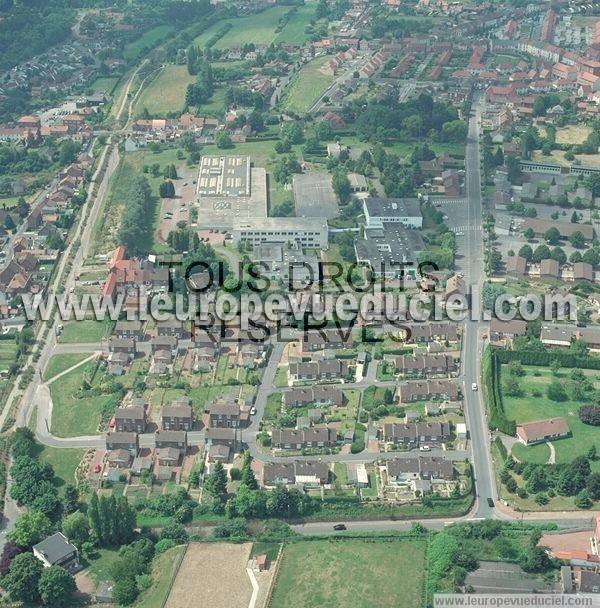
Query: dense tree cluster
[[135, 232], [590, 414], [387, 119], [19, 159], [42, 23], [111, 520], [202, 90], [32, 481], [573, 479]]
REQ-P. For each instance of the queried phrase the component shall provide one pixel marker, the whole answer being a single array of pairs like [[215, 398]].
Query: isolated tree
[[577, 240], [216, 483], [552, 236], [526, 252], [556, 391], [529, 234]]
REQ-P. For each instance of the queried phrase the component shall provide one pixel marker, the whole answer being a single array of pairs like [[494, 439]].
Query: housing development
[[299, 303]]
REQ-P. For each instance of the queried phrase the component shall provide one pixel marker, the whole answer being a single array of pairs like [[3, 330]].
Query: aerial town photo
[[299, 284]]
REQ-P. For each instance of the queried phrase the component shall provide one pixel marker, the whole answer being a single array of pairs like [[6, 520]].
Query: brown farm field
[[212, 575]]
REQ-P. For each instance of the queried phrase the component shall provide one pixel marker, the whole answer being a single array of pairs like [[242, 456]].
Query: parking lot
[[314, 196]]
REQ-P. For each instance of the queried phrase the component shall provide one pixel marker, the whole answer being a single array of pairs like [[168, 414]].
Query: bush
[[590, 414]]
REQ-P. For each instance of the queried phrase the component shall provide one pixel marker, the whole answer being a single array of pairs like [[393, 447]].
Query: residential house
[[56, 550], [424, 390], [541, 431], [116, 440], [130, 419], [412, 435], [403, 470], [171, 439], [178, 416], [499, 330], [314, 437], [318, 395]]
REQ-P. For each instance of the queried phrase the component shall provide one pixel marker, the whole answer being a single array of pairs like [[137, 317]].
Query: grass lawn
[[530, 407], [107, 85], [306, 86], [89, 330], [273, 406], [8, 352], [340, 573], [163, 570], [166, 93], [258, 28], [72, 416], [59, 363], [98, 569], [281, 376], [148, 40], [64, 461], [295, 30], [341, 473], [9, 202], [537, 454], [405, 148]]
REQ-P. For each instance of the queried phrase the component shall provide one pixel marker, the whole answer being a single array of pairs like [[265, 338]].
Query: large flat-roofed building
[[388, 249], [230, 189], [311, 233], [406, 211]]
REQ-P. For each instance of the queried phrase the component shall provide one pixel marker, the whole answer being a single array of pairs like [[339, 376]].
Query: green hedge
[[491, 382], [546, 357]]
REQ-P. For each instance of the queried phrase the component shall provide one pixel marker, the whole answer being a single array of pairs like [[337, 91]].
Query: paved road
[[471, 265], [584, 522]]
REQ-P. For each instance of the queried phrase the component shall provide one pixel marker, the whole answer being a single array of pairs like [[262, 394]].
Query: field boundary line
[[181, 558], [274, 577]]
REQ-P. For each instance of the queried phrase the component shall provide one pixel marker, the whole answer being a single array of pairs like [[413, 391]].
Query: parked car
[[425, 448]]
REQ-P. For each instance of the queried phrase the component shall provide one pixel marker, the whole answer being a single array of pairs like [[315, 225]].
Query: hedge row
[[546, 357], [491, 381]]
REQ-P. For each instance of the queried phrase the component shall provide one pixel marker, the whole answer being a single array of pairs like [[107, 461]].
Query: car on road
[[474, 386], [339, 527], [490, 502], [425, 448], [252, 411]]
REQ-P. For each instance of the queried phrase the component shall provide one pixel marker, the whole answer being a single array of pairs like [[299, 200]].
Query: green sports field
[[350, 573]]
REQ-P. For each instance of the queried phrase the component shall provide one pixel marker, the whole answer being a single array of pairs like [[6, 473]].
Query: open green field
[[9, 202], [295, 30], [148, 40], [343, 573], [163, 570], [59, 363], [306, 86], [216, 106], [73, 416], [64, 461], [531, 407], [258, 28], [166, 93], [89, 330], [405, 148], [106, 84], [8, 353]]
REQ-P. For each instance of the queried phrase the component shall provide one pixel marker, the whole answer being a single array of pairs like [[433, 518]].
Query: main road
[[470, 263]]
